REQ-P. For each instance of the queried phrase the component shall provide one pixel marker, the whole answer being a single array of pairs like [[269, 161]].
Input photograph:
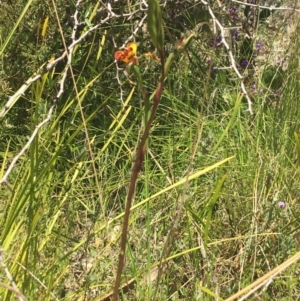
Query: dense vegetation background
[[216, 204]]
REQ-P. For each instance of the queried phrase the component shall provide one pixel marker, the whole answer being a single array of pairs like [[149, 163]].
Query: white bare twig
[[140, 24], [232, 59], [27, 145], [271, 8]]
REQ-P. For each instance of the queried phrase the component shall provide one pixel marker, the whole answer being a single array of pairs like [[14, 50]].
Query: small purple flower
[[258, 45], [235, 32], [215, 42], [232, 10], [281, 204], [244, 63], [214, 68]]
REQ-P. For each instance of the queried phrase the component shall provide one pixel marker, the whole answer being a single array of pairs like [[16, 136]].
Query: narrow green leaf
[[297, 148], [211, 205], [231, 121]]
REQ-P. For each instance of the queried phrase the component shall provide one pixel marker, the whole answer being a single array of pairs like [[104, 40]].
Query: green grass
[[205, 219]]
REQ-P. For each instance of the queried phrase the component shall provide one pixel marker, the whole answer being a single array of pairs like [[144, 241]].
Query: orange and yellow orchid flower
[[128, 55]]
